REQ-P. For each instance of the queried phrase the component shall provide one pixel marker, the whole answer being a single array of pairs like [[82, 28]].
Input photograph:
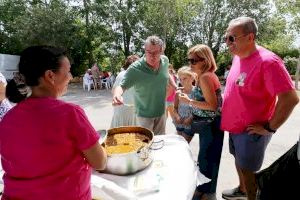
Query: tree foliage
[[107, 31]]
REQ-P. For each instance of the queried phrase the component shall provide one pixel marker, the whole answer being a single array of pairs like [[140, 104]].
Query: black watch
[[267, 127]]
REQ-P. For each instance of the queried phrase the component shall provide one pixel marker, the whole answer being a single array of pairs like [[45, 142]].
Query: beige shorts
[[155, 124]]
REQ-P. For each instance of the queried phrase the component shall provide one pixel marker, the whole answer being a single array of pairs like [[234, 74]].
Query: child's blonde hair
[[185, 70]]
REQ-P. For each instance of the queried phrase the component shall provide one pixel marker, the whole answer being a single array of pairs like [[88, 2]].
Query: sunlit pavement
[[97, 105]]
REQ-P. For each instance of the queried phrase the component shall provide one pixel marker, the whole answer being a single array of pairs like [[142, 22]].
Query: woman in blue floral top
[[206, 107]]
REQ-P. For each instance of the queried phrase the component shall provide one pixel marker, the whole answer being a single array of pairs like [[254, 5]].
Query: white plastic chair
[[105, 83], [88, 82]]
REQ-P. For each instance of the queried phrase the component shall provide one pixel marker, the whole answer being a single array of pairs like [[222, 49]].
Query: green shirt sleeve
[[130, 76]]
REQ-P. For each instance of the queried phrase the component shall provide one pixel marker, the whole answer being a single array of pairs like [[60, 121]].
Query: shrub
[[291, 64]]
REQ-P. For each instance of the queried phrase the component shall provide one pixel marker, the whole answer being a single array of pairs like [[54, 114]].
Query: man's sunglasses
[[232, 38], [194, 61]]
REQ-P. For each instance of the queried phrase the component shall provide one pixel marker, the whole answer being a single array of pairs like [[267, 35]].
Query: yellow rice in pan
[[125, 142]]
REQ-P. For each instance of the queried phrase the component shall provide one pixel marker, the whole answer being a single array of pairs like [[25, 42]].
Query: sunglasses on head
[[194, 61], [232, 38]]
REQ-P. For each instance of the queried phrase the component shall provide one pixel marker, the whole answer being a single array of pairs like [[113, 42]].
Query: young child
[[182, 111], [171, 92]]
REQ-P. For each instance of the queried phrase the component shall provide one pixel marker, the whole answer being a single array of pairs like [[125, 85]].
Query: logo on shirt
[[241, 79]]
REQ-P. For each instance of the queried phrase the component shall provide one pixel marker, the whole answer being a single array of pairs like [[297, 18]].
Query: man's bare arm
[[117, 96], [284, 107]]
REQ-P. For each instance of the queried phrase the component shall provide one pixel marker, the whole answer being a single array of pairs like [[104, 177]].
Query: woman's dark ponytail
[[16, 89]]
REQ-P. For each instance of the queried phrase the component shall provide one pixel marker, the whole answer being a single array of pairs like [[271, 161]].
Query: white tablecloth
[[172, 175]]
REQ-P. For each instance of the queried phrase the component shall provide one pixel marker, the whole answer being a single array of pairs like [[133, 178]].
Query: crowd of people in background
[[145, 93], [98, 79]]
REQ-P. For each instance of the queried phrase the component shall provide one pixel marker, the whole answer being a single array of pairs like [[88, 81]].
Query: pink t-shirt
[[41, 143], [251, 89], [172, 93], [171, 97]]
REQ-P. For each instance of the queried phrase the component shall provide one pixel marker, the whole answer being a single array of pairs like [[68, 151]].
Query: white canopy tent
[[9, 65]]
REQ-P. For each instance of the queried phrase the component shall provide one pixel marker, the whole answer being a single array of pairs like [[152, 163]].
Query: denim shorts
[[248, 150], [187, 131]]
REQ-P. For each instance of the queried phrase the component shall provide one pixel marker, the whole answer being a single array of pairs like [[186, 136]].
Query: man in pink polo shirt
[[259, 96]]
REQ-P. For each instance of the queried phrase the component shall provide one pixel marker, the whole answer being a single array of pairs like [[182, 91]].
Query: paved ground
[[97, 105]]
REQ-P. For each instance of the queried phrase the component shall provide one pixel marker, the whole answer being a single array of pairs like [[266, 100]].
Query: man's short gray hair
[[154, 40], [247, 23]]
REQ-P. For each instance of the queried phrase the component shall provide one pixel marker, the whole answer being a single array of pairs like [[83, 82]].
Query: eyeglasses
[[194, 61], [153, 53], [232, 38]]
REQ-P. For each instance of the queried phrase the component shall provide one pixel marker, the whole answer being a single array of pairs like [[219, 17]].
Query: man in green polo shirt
[[149, 77]]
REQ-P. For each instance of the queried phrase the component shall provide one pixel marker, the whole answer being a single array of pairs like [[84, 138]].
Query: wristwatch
[[267, 127]]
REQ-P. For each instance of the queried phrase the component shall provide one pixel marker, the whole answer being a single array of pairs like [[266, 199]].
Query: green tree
[[291, 11], [275, 35], [106, 31], [214, 16], [170, 19], [10, 10]]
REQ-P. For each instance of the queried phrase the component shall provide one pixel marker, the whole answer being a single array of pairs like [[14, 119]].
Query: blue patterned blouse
[[198, 96], [5, 106]]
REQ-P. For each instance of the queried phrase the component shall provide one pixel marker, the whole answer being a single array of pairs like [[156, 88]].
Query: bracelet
[[267, 127]]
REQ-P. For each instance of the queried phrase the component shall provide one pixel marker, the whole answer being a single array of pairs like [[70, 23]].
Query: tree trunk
[[86, 4]]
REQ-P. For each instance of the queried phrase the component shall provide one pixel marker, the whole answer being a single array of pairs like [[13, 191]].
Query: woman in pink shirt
[[48, 146]]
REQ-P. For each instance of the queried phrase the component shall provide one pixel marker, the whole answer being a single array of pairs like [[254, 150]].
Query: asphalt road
[[97, 105]]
